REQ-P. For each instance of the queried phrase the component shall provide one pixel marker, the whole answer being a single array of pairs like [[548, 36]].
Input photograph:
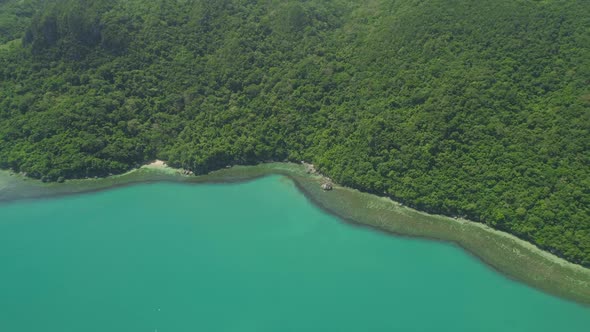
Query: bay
[[254, 256]]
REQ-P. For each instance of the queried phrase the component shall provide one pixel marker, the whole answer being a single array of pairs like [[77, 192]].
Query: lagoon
[[253, 256]]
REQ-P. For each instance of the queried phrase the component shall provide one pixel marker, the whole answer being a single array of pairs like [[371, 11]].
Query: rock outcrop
[[327, 186], [185, 172]]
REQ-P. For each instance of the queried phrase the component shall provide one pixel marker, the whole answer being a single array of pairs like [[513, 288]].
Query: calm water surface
[[255, 256]]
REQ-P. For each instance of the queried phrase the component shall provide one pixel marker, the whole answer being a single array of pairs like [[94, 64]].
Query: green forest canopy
[[469, 108]]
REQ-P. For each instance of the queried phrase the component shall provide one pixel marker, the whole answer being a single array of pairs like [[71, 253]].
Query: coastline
[[509, 255]]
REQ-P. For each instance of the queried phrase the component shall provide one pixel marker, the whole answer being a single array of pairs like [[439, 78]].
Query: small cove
[[253, 256]]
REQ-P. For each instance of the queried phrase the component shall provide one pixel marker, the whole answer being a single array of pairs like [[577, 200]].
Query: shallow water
[[254, 256]]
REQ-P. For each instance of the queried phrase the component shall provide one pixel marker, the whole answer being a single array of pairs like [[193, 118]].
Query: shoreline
[[510, 256], [547, 255], [505, 253]]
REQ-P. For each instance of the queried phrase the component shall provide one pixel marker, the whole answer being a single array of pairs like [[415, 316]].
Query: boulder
[[186, 172], [327, 186]]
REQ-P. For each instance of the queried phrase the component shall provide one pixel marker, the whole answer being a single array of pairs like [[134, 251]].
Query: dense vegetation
[[470, 108], [15, 17]]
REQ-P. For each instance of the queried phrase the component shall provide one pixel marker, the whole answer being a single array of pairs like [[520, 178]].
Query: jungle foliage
[[468, 108]]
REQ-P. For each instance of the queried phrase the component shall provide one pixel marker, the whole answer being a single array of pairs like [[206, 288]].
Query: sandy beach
[[156, 164]]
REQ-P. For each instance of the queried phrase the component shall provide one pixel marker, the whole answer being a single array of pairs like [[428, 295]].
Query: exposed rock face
[[310, 169], [327, 186]]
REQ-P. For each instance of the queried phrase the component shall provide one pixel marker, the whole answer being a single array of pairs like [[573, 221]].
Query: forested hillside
[[469, 108], [15, 17]]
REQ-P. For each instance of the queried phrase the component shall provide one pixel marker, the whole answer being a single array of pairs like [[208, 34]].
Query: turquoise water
[[254, 256]]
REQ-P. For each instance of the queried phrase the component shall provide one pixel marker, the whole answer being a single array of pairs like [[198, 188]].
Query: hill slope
[[458, 107]]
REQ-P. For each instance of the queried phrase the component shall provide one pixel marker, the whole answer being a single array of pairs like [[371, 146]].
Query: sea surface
[[255, 256]]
